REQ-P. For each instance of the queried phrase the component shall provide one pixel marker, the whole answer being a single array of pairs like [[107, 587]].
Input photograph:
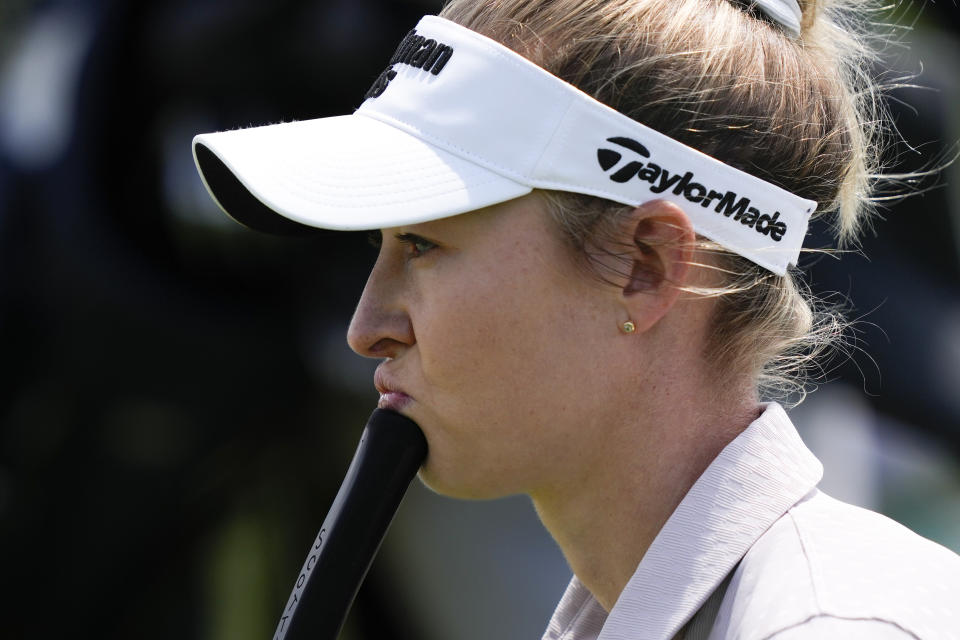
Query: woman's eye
[[414, 244]]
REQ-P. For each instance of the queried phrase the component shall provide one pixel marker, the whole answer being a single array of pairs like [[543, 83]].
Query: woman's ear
[[662, 239]]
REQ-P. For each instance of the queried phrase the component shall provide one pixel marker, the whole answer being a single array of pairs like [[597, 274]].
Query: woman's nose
[[380, 327]]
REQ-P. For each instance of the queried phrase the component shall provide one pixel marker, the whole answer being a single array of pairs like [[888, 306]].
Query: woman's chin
[[447, 483]]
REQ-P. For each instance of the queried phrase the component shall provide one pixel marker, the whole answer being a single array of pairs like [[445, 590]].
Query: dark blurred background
[[178, 405]]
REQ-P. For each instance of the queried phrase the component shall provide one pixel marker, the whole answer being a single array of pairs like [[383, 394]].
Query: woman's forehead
[[505, 213]]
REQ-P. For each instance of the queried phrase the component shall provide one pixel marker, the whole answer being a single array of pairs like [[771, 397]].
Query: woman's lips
[[390, 396], [395, 400]]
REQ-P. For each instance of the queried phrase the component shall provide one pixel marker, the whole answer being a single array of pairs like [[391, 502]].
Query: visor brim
[[343, 173]]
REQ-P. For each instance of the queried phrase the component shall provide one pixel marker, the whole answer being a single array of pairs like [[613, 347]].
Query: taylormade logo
[[419, 53], [729, 203]]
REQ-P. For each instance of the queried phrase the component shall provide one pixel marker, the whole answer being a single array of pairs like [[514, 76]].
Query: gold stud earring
[[628, 327]]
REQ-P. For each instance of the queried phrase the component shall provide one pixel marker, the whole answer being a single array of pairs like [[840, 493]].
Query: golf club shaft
[[390, 453]]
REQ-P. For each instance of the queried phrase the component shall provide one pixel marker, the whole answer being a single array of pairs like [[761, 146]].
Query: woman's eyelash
[[417, 245]]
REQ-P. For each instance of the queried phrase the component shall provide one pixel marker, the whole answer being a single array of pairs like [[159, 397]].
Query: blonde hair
[[801, 113]]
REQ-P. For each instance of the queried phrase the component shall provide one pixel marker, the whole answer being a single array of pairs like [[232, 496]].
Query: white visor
[[458, 122]]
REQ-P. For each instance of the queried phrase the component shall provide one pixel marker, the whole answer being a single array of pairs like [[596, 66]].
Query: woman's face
[[495, 343]]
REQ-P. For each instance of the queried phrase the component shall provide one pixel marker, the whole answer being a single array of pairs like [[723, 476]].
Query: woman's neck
[[607, 514]]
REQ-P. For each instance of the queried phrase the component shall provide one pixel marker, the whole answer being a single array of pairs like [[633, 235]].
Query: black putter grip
[[390, 453]]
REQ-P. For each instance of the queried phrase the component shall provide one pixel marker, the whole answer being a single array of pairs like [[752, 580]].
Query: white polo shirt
[[755, 552]]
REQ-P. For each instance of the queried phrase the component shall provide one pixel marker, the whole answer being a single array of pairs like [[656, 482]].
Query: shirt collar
[[755, 480]]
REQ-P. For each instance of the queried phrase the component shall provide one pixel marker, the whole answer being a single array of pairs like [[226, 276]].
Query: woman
[[589, 214]]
